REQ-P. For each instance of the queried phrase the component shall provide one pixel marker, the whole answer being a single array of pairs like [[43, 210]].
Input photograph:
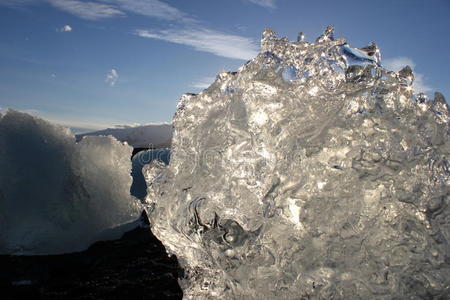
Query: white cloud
[[102, 9], [203, 83], [65, 28], [114, 8], [264, 3], [87, 10], [397, 63], [152, 8], [111, 77], [206, 40]]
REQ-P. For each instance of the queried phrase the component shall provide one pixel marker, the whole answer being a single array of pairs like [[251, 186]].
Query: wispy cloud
[[152, 8], [188, 32], [103, 9], [264, 3], [111, 77], [203, 83], [87, 10], [206, 40], [65, 28], [398, 63]]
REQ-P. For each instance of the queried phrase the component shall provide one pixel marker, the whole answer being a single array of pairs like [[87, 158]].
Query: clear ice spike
[[327, 35]]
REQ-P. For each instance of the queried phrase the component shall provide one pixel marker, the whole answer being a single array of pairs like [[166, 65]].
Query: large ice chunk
[[57, 195], [312, 173]]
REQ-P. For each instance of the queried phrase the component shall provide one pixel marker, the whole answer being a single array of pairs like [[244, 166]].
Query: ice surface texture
[[57, 195], [311, 173]]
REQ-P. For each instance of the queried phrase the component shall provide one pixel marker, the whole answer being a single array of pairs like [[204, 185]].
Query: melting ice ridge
[[311, 173]]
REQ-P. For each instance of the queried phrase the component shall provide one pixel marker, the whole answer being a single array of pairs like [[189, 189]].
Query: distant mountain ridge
[[141, 136]]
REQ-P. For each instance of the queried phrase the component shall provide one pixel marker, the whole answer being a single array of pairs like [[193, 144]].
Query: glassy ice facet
[[312, 173]]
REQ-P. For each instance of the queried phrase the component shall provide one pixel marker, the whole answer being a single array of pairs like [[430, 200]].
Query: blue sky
[[93, 64]]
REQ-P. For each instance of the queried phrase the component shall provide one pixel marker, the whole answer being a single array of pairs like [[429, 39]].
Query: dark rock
[[134, 267]]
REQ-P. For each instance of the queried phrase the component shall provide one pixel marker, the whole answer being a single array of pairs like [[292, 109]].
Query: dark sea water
[[139, 160]]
